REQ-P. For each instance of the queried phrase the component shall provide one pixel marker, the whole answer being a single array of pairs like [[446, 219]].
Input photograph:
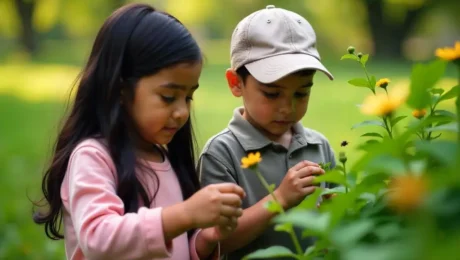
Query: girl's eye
[[301, 95], [271, 95], [189, 99], [167, 99]]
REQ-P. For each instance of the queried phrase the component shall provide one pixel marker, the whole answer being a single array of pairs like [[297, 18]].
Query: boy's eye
[[189, 99], [168, 99], [301, 94], [271, 95]]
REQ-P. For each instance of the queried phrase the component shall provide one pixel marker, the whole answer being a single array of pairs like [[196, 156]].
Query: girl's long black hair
[[135, 41]]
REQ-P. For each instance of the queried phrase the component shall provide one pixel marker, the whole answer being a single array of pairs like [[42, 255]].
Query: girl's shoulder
[[95, 148]]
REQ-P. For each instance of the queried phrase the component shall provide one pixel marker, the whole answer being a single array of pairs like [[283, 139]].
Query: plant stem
[[387, 126], [458, 114], [292, 233], [367, 76], [345, 175]]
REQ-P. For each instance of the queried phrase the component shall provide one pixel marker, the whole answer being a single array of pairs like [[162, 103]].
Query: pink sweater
[[95, 226]]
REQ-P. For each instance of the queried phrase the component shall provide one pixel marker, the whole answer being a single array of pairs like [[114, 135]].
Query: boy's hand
[[297, 183], [215, 204]]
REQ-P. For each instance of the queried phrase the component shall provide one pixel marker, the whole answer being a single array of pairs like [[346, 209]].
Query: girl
[[122, 177]]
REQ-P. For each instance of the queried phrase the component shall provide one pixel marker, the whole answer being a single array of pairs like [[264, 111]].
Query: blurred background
[[44, 44]]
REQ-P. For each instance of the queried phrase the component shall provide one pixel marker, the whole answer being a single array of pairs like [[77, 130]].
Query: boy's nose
[[288, 106]]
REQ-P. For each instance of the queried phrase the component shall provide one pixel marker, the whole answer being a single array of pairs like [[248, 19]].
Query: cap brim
[[273, 68]]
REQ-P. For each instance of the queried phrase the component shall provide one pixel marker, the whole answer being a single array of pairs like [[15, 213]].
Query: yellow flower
[[251, 160], [419, 113], [383, 83], [382, 104], [406, 193], [449, 54]]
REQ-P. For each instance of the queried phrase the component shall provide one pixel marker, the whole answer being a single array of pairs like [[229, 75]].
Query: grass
[[31, 105]]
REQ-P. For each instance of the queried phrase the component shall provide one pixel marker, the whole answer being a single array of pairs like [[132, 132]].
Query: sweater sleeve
[[103, 230]]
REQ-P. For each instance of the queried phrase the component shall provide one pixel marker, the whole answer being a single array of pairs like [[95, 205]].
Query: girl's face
[[161, 103]]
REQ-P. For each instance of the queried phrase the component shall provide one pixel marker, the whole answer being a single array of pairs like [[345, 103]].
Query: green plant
[[401, 199]]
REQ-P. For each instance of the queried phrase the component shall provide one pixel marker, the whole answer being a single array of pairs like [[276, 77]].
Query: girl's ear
[[234, 83]]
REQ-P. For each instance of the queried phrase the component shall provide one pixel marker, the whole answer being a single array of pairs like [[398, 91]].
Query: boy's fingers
[[303, 164], [309, 170]]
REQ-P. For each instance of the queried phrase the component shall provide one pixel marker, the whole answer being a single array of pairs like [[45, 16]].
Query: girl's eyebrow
[[177, 86]]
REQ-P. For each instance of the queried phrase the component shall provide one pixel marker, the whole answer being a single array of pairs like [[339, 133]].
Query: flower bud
[[342, 157], [351, 50]]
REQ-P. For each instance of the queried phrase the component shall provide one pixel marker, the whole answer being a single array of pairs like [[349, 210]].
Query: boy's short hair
[[272, 43]]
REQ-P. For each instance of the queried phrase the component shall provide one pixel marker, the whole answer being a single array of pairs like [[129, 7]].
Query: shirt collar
[[252, 139]]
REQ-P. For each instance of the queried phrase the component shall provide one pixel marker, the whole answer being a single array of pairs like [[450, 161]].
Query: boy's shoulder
[[220, 142], [314, 136]]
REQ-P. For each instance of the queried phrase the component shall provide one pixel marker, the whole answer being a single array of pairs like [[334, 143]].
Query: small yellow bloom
[[419, 113], [383, 83], [406, 193], [251, 160], [381, 104], [449, 54]]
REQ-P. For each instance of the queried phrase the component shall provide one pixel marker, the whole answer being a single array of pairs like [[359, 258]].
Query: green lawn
[[28, 123]]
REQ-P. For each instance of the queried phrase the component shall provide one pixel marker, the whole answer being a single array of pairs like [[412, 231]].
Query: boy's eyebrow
[[272, 85], [177, 86]]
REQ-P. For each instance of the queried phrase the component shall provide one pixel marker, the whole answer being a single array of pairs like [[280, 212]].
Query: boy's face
[[274, 108]]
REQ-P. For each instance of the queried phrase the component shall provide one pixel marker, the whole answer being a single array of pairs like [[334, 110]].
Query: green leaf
[[386, 164], [273, 206], [339, 189], [364, 59], [452, 93], [285, 227], [445, 113], [348, 235], [437, 91], [368, 123], [373, 82], [423, 77], [306, 219], [372, 135], [349, 57], [271, 252], [359, 82], [396, 120], [444, 151], [310, 201], [452, 127], [333, 176]]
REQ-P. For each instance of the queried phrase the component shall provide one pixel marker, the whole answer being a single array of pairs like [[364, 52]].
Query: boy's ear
[[234, 83]]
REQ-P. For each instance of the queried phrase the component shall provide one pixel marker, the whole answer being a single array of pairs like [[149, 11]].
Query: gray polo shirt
[[221, 159]]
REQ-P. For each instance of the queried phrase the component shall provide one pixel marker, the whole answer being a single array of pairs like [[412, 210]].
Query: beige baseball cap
[[273, 43]]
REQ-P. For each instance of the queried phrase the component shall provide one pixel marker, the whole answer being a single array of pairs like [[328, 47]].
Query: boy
[[273, 59]]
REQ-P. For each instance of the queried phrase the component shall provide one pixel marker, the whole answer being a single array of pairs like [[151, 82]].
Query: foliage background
[[43, 44]]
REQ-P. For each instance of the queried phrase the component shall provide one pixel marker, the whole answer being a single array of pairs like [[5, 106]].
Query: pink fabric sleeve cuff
[[215, 255], [154, 235]]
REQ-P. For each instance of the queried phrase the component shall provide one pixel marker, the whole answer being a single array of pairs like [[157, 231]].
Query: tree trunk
[[389, 37], [28, 38]]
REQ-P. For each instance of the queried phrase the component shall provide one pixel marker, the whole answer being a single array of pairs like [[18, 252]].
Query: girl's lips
[[170, 129]]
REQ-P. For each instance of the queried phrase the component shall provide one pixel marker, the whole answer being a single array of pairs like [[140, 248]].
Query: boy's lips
[[283, 122]]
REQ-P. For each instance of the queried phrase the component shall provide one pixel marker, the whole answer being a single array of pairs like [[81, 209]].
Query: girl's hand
[[219, 233], [215, 205]]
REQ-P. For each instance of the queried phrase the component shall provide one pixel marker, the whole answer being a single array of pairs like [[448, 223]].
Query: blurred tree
[[392, 21], [25, 10]]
